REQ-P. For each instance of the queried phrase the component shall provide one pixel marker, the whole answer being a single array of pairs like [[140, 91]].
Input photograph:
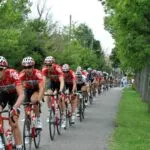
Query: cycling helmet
[[49, 60], [79, 68], [3, 62], [65, 67], [78, 73], [28, 61], [100, 73], [89, 69]]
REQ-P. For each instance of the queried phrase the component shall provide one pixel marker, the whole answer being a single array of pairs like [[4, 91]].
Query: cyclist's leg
[[15, 125]]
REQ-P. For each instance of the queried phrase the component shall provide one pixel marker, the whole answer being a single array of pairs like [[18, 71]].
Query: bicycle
[[5, 136], [29, 130], [55, 115], [68, 114], [81, 105]]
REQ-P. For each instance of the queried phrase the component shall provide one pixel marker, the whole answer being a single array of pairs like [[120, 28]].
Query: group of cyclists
[[30, 85]]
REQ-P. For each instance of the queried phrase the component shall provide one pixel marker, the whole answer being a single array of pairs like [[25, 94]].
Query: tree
[[129, 22]]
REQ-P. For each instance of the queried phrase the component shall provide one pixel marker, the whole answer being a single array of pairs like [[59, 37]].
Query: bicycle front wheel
[[58, 120], [27, 137], [37, 138], [2, 139], [52, 124]]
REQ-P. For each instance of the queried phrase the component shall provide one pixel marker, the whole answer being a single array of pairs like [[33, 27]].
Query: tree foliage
[[21, 36], [129, 22]]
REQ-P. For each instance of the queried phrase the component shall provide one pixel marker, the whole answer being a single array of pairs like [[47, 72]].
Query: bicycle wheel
[[2, 139], [52, 124], [58, 120], [27, 137], [90, 98], [37, 138], [81, 109], [67, 116]]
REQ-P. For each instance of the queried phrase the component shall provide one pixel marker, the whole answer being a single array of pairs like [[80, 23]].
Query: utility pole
[[92, 44], [70, 26]]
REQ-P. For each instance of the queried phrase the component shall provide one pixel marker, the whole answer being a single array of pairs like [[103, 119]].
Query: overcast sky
[[90, 12]]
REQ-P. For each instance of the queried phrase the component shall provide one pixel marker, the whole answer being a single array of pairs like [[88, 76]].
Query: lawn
[[132, 130]]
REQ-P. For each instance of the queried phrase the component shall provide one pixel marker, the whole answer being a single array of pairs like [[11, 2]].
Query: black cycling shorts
[[54, 86], [69, 86], [28, 93], [79, 86], [9, 99]]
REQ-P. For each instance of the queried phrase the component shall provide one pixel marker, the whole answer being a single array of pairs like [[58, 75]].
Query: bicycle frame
[[8, 146], [29, 111], [54, 105]]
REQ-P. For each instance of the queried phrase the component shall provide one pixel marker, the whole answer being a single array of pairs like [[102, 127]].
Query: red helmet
[[28, 61], [49, 60], [3, 62]]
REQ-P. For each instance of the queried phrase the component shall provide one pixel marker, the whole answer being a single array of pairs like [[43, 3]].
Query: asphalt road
[[93, 133]]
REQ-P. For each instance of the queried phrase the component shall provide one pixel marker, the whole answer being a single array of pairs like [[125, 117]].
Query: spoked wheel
[[81, 109], [27, 137], [91, 98], [52, 124], [99, 90], [2, 142], [83, 106], [37, 138], [68, 117], [58, 120]]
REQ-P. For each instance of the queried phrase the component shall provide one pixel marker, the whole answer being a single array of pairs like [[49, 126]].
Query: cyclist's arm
[[61, 79], [74, 86], [41, 90], [20, 98]]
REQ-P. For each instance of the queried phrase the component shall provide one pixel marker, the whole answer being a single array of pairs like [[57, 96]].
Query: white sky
[[90, 12]]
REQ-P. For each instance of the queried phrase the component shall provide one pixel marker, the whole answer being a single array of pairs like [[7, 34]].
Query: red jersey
[[10, 81], [69, 77], [32, 81], [53, 73], [84, 73]]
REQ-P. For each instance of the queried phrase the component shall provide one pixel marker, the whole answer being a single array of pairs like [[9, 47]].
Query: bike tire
[[52, 124], [2, 142], [58, 124], [81, 109], [27, 133], [37, 138]]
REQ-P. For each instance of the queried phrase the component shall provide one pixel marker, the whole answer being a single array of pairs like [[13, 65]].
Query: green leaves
[[129, 24]]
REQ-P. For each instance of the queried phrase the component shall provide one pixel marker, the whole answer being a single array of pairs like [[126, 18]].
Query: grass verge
[[132, 130]]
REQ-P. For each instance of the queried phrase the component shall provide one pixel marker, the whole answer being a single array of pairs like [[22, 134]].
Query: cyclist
[[32, 81], [81, 84], [70, 83], [54, 75], [11, 93]]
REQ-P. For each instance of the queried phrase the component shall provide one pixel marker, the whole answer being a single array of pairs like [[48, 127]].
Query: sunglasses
[[65, 71], [27, 67], [1, 69], [49, 65]]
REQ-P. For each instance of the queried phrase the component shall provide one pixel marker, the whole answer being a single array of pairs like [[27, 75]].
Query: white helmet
[[89, 69], [3, 62], [65, 67], [49, 60], [28, 61], [78, 73], [79, 68]]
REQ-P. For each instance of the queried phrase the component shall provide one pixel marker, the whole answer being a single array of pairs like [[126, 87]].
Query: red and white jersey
[[69, 77], [53, 73], [10, 81], [31, 81], [85, 73]]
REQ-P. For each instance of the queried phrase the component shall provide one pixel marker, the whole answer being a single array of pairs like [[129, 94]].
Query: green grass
[[133, 124]]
